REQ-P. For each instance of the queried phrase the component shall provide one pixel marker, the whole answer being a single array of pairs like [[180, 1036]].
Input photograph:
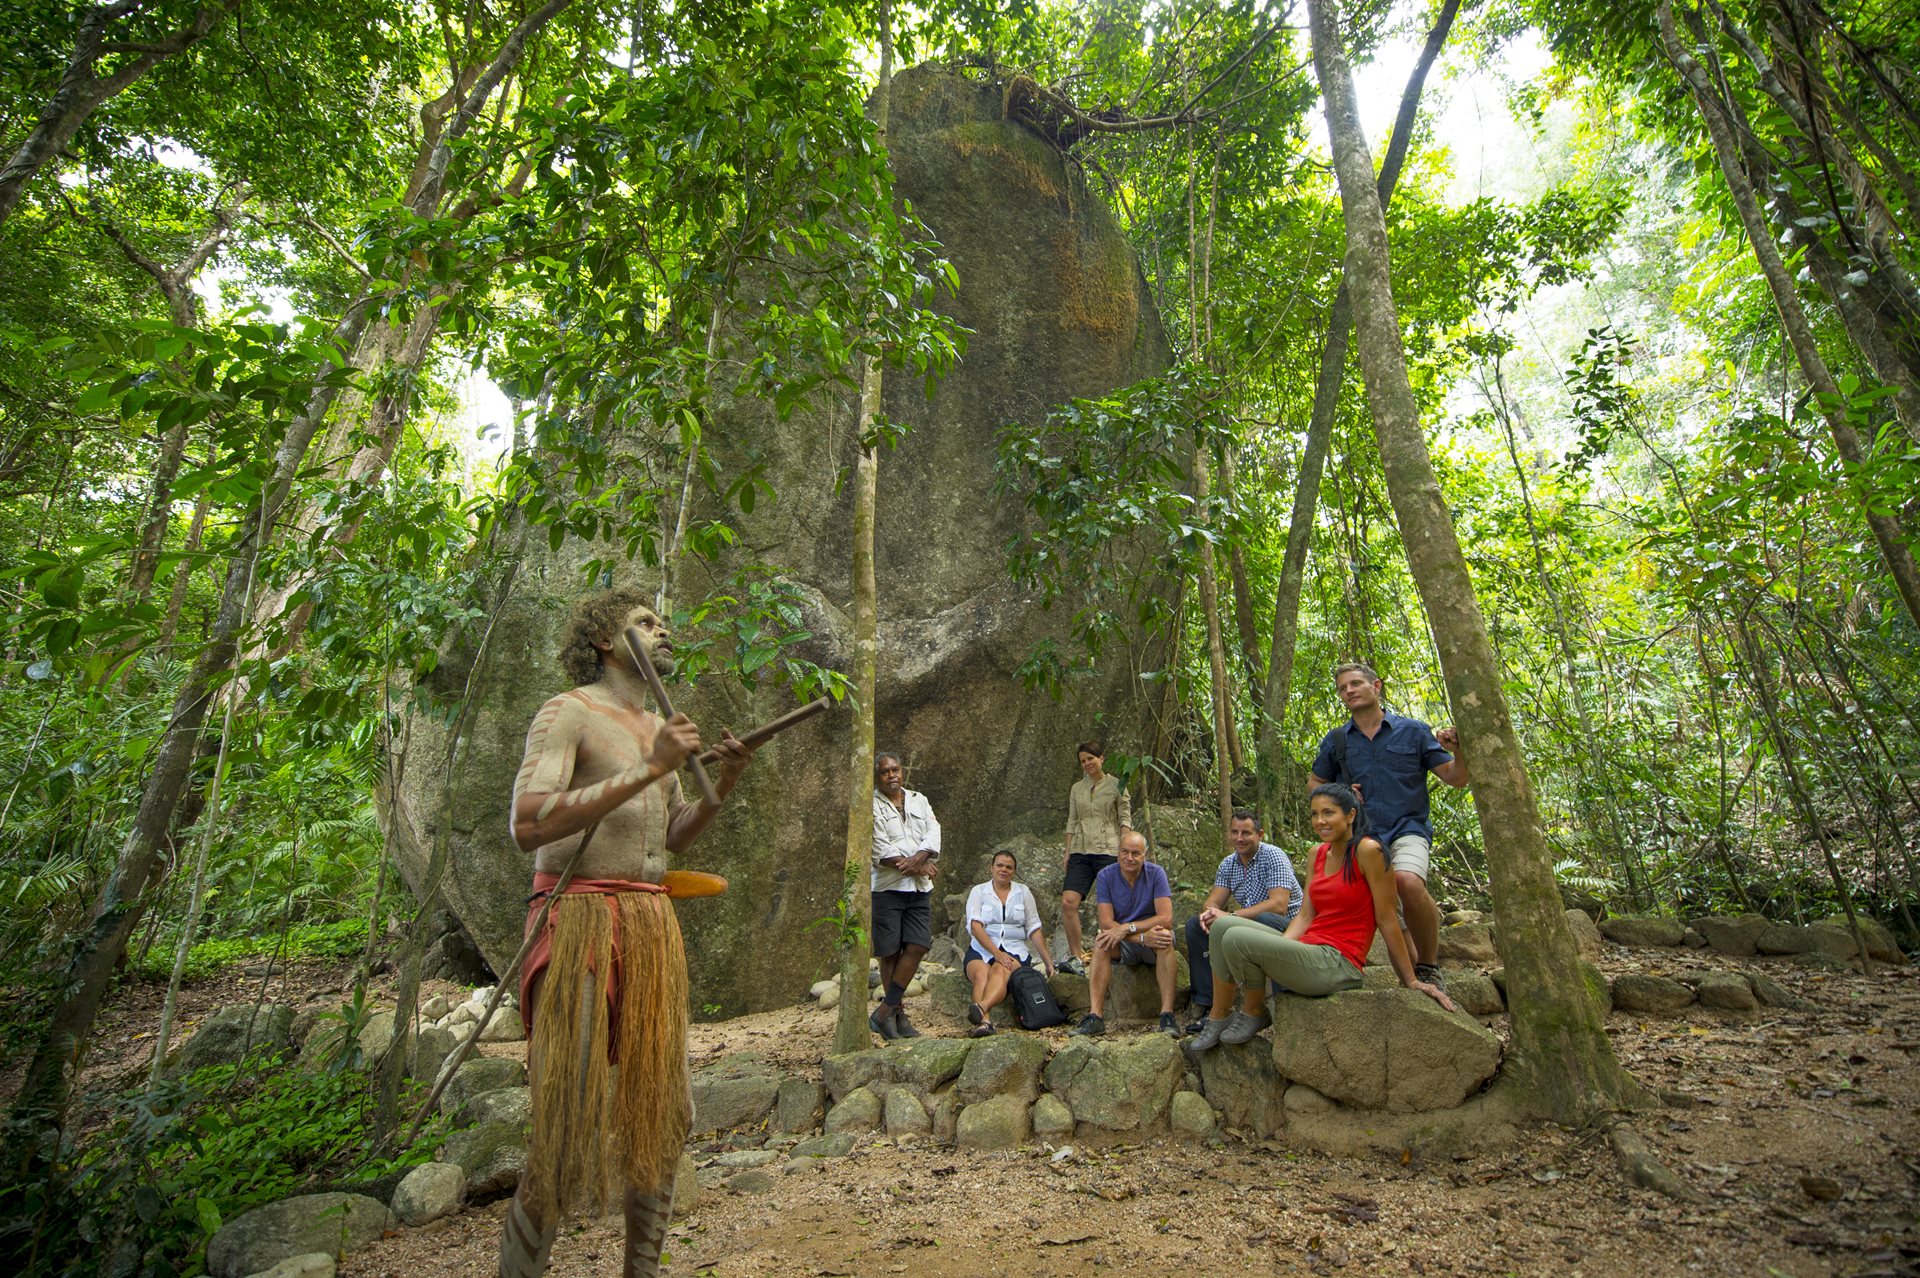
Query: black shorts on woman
[[1082, 867]]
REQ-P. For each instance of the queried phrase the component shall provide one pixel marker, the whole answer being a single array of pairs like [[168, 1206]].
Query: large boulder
[[733, 1093], [1726, 992], [951, 993], [1643, 930], [1387, 1049], [231, 1033], [926, 1063], [1056, 308], [1730, 934], [1119, 1085], [1134, 994], [477, 1075], [265, 1236], [512, 1105], [1790, 938], [1243, 1084], [1586, 935]]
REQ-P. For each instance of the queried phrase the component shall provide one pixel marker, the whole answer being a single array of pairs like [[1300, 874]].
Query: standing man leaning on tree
[[906, 857], [1385, 758]]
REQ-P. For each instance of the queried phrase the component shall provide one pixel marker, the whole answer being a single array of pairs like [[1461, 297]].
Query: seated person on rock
[[1257, 879], [1350, 893], [1003, 920], [1136, 930]]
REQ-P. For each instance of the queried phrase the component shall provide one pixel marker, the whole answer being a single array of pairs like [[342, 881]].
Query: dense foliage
[[249, 296]]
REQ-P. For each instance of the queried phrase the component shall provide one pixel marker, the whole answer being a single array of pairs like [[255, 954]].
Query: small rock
[[1463, 916], [916, 987], [1773, 994], [1730, 933], [904, 1114], [1190, 1116], [1822, 1189], [804, 1163], [480, 1074], [825, 1145], [1880, 942], [1052, 1120], [819, 988], [751, 1182], [999, 1123], [430, 1191], [510, 1105], [260, 1239], [858, 1111], [1002, 1065], [1640, 992], [1476, 993], [1586, 935], [1643, 930], [314, 1264], [230, 1033], [686, 1187], [494, 1156], [436, 1007], [1468, 945], [799, 1105], [745, 1159], [732, 1093], [1726, 992], [1693, 940], [505, 1027]]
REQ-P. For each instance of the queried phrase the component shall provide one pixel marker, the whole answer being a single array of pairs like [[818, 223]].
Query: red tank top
[[1342, 911]]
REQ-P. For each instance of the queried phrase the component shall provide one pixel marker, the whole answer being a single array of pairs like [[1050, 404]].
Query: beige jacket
[[1096, 815]]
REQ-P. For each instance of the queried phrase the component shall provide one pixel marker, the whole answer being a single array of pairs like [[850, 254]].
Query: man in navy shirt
[[1136, 929], [1385, 758]]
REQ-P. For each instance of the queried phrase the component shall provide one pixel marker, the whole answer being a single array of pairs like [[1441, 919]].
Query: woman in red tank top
[[1349, 893]]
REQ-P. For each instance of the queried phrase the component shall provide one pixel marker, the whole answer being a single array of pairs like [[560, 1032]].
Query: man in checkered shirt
[[1258, 879]]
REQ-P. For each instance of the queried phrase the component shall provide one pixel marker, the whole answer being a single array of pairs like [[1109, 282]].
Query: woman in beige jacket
[[1098, 810]]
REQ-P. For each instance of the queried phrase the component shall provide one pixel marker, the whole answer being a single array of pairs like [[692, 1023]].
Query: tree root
[[1642, 1167]]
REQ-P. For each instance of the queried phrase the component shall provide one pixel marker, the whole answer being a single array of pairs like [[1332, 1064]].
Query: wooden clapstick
[[637, 645], [681, 884], [766, 731]]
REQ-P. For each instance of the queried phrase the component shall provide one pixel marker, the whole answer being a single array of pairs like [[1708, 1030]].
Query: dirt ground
[[1800, 1131]]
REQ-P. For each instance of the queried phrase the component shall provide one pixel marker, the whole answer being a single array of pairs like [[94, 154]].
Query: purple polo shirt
[[1131, 902]]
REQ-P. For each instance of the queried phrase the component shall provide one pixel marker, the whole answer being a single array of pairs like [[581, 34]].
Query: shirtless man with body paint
[[600, 763]]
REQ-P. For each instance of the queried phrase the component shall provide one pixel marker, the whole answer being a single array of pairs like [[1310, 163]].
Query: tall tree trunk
[[43, 1094], [1793, 318], [1561, 1054], [1226, 755], [850, 1032], [183, 574], [81, 91], [1247, 629], [1326, 402]]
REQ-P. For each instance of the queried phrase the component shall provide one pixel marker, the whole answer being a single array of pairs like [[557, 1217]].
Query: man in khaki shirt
[[1098, 813]]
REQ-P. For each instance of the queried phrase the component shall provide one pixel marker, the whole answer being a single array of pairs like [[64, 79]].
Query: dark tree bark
[[1561, 1055], [82, 88]]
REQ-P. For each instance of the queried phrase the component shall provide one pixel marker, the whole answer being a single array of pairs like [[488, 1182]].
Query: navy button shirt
[[1391, 770]]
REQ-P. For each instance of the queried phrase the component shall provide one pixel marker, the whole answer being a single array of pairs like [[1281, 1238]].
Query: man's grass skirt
[[611, 1099]]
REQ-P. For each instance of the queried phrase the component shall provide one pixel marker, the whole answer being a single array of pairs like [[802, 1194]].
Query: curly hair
[[595, 619]]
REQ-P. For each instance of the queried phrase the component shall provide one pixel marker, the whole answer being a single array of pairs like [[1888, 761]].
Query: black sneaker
[[883, 1023], [1090, 1024], [1073, 966], [902, 1028], [1168, 1025], [1430, 973], [1199, 1022]]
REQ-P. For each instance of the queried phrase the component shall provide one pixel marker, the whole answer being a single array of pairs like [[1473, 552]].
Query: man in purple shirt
[[1136, 929]]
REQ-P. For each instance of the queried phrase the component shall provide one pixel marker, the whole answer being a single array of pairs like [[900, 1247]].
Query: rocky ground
[[1797, 1129]]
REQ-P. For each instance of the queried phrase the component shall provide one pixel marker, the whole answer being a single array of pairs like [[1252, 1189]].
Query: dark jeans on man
[[1198, 965]]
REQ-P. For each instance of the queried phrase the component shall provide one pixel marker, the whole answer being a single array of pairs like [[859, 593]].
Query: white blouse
[[1008, 923]]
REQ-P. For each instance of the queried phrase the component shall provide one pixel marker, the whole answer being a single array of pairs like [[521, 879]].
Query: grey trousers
[[1248, 954]]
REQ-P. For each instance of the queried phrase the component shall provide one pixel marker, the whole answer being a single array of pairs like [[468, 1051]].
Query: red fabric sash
[[542, 952]]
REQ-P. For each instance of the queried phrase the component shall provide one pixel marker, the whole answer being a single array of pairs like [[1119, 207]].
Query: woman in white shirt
[[1004, 922]]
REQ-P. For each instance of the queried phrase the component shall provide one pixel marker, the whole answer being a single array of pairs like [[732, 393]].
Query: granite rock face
[[1057, 309]]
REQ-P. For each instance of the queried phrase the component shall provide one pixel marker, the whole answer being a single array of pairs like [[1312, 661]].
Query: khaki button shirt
[[1096, 814]]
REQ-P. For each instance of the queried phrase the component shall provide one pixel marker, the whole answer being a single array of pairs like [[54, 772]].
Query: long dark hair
[[1350, 804]]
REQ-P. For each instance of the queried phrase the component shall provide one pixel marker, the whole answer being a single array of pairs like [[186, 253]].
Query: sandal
[[974, 1015]]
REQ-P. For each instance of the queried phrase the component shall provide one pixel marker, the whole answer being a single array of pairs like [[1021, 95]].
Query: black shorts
[[1081, 868], [1134, 954], [901, 919]]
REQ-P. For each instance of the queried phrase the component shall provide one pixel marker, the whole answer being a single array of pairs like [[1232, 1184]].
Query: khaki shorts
[[1412, 853]]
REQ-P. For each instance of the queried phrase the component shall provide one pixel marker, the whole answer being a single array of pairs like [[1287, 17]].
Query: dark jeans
[[1198, 966]]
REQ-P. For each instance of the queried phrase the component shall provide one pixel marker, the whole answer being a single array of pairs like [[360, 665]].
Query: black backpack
[[1034, 1005]]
